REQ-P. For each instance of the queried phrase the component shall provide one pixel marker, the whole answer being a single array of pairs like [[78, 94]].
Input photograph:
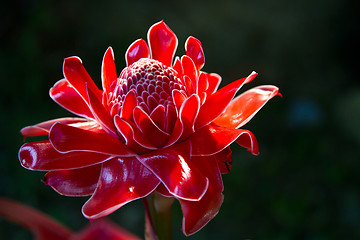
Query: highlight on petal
[[248, 140], [195, 51], [121, 181], [214, 82], [163, 43], [75, 182], [245, 106], [42, 226], [42, 156], [68, 139], [188, 113], [137, 50], [108, 70], [216, 103], [176, 171], [67, 97]]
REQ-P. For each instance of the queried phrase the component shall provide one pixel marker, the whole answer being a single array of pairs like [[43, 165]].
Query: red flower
[[157, 127]]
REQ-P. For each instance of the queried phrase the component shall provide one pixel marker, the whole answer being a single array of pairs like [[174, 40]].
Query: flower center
[[151, 81]]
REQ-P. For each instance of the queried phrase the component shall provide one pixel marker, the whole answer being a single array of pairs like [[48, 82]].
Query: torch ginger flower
[[161, 126]]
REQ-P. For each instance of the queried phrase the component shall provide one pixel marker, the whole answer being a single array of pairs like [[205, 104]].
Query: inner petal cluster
[[152, 82]]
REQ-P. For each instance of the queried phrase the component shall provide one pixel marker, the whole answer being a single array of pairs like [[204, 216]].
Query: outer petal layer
[[137, 50], [245, 106], [108, 69], [121, 181]]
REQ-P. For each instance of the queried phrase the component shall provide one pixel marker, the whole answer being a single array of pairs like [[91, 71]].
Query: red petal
[[78, 77], [108, 69], [178, 99], [194, 50], [67, 139], [130, 103], [245, 106], [67, 97], [137, 50], [210, 139], [176, 171], [152, 132], [163, 43], [43, 128], [214, 82], [248, 140], [216, 103], [121, 181], [170, 118], [103, 229], [158, 116], [42, 156], [197, 214], [76, 182], [42, 226], [188, 113], [203, 83], [190, 70], [178, 67], [223, 159]]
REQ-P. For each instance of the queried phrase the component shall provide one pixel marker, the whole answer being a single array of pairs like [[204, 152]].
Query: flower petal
[[158, 116], [188, 113], [130, 103], [223, 159], [108, 70], [78, 77], [214, 82], [68, 139], [42, 226], [137, 50], [150, 130], [194, 50], [210, 139], [43, 128], [176, 171], [163, 43], [245, 106], [216, 103], [190, 70], [198, 213], [42, 156], [67, 97], [121, 181], [248, 140], [75, 182]]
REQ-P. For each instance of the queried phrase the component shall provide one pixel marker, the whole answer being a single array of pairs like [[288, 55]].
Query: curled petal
[[67, 97], [43, 128], [78, 77], [137, 50], [245, 106], [68, 139], [210, 139], [197, 214], [42, 156], [178, 98], [158, 116], [194, 50], [75, 182], [176, 171], [163, 43], [42, 226], [121, 181], [216, 103], [248, 140], [214, 82], [108, 70]]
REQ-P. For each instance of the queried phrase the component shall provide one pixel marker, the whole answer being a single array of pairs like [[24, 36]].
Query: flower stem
[[158, 217]]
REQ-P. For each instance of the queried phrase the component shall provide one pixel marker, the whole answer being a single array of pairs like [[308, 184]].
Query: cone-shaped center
[[152, 82]]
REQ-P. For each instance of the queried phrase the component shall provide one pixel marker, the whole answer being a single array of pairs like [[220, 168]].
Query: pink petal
[[194, 50], [108, 70], [133, 137], [67, 139], [176, 171], [214, 82], [43, 128], [188, 113], [67, 97], [42, 156], [245, 106], [152, 132], [103, 229], [210, 139], [78, 77], [76, 182], [42, 226], [121, 181], [137, 50], [216, 103], [198, 213], [163, 43]]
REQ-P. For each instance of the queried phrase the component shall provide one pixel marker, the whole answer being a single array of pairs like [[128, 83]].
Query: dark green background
[[305, 182]]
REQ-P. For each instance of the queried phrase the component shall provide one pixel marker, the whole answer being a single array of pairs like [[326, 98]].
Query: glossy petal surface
[[108, 70], [194, 50], [121, 181], [245, 106], [138, 49]]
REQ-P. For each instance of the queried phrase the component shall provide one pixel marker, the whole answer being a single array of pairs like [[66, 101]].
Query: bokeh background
[[305, 182]]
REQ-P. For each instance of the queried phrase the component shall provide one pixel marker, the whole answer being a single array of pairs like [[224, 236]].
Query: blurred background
[[305, 182]]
